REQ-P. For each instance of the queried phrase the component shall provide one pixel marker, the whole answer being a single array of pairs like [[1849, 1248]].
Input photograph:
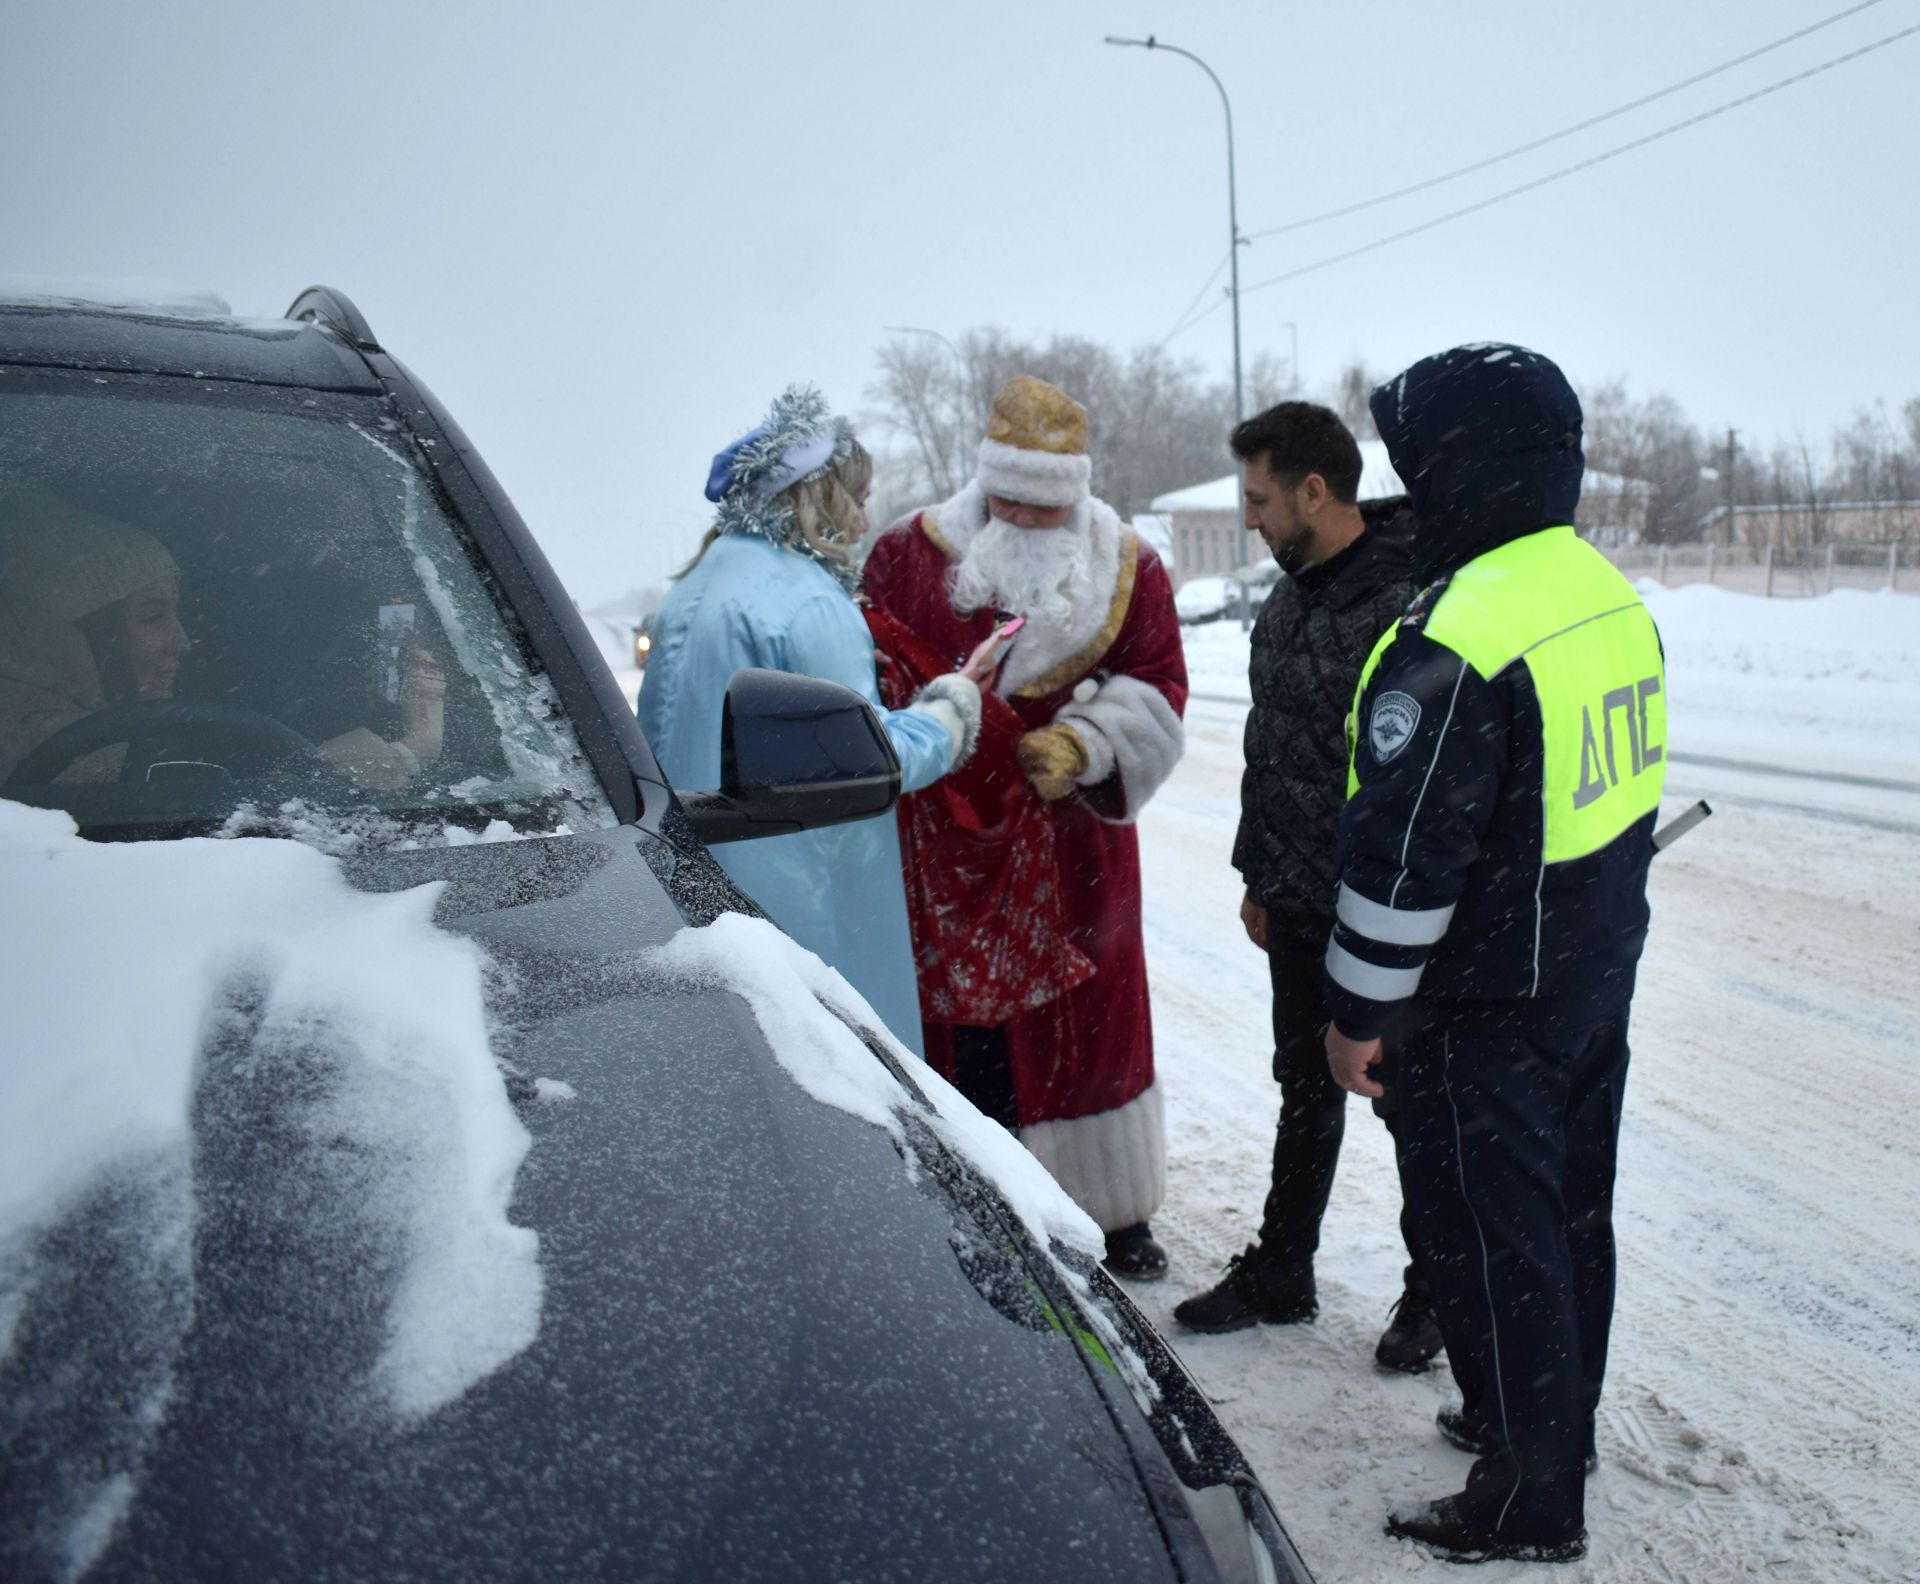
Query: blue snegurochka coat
[[839, 891]]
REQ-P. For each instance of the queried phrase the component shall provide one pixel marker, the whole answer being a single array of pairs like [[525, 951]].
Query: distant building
[[1157, 531], [1210, 539], [1841, 522]]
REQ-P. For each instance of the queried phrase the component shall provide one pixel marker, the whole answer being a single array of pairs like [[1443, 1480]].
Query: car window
[[223, 604]]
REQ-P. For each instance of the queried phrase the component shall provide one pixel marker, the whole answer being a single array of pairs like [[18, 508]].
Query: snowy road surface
[[1763, 1399]]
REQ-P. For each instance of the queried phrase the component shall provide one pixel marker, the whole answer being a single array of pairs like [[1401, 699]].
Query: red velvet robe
[[1090, 1049]]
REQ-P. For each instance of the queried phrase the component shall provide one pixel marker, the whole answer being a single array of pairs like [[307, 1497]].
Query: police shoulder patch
[[1392, 724], [1422, 605]]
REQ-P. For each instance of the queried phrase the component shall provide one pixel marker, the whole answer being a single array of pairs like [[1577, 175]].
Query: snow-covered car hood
[[774, 1339]]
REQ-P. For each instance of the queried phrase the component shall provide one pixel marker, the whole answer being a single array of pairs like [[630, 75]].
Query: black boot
[[1133, 1253], [1251, 1293], [1451, 1534], [1457, 1430], [1412, 1337]]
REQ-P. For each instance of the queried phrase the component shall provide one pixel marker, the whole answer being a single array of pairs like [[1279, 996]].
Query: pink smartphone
[[1008, 629], [1003, 635]]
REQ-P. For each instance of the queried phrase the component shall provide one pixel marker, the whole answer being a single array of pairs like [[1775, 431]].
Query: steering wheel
[[229, 735]]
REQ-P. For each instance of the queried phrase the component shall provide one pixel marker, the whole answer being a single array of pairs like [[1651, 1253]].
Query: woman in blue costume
[[771, 587]]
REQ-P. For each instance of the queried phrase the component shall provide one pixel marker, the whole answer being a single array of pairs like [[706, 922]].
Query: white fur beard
[[1043, 574]]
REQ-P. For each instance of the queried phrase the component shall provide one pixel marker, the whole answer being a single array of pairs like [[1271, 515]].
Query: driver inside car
[[90, 617]]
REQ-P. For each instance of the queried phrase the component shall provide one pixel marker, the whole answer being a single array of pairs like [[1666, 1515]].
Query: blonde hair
[[826, 512]]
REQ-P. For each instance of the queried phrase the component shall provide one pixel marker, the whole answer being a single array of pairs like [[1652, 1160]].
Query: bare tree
[[1155, 426], [1349, 395], [1152, 426], [1651, 443]]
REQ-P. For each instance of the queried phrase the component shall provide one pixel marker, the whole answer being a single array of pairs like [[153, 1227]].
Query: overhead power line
[[1564, 132], [1181, 323], [1564, 171]]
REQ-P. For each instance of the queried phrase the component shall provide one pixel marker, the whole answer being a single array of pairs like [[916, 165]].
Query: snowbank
[[1830, 683], [149, 985]]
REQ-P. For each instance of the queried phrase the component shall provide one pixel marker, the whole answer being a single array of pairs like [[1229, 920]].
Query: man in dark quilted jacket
[[1349, 574]]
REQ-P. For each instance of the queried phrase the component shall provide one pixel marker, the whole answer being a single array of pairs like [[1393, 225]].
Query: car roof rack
[[324, 305]]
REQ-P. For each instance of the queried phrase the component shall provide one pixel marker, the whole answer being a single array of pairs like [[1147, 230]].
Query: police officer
[[1508, 750]]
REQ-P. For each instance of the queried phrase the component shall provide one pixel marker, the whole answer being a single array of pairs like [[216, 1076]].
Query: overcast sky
[[606, 234]]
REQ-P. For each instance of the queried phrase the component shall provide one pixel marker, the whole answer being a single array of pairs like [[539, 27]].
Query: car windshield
[[239, 607]]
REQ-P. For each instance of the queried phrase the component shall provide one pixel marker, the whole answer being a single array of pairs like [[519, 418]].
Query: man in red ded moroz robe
[[1023, 876]]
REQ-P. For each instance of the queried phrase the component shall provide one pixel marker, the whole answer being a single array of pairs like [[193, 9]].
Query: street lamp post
[[1233, 203]]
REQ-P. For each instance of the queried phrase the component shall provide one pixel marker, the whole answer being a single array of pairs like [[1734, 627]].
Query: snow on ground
[[1763, 1397], [1764, 1394]]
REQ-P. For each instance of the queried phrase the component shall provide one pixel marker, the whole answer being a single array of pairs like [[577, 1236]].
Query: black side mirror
[[796, 753]]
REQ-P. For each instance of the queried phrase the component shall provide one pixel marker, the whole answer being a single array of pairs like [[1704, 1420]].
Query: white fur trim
[[954, 701], [1112, 1164], [1099, 750], [1128, 726], [1034, 478], [960, 517]]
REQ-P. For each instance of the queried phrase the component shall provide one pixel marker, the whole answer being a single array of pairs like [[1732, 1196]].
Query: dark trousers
[[1313, 1108], [1506, 1150], [983, 1072]]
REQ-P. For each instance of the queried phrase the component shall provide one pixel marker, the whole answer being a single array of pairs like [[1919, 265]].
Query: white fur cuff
[[1112, 1164], [954, 701], [1128, 727], [1034, 478], [1100, 757]]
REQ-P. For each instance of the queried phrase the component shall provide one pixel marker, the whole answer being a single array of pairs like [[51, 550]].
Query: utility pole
[[1728, 471]]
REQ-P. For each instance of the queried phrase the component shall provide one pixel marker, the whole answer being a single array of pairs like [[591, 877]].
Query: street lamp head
[[1145, 43]]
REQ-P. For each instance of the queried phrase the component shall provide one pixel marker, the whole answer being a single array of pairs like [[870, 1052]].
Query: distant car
[[776, 1340], [1202, 599], [1208, 599]]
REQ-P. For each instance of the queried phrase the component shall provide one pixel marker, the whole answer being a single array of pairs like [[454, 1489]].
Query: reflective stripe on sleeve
[[1366, 979], [1394, 926]]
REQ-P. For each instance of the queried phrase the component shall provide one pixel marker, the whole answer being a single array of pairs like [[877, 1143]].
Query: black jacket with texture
[[1312, 636]]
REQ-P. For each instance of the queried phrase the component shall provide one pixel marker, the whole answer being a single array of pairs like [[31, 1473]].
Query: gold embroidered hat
[[1035, 451]]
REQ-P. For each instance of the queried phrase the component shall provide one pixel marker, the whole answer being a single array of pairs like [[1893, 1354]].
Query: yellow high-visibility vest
[[1553, 603]]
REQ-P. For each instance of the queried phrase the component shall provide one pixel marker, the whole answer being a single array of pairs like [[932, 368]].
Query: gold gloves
[[1051, 758]]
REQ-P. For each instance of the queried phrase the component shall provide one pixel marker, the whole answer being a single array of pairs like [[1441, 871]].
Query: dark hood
[[1487, 440]]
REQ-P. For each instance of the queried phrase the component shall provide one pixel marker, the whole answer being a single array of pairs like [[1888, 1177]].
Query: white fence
[[1777, 571]]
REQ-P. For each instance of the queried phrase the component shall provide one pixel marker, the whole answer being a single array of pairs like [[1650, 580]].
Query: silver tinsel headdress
[[799, 440]]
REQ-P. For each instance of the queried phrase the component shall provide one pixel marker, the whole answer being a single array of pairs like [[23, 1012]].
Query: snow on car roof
[[129, 294]]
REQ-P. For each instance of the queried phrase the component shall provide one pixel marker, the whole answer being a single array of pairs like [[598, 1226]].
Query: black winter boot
[[1250, 1293], [1457, 1430], [1133, 1253], [1448, 1532], [1412, 1337]]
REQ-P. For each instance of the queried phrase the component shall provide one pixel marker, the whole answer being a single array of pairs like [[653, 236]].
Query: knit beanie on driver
[[69, 562]]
